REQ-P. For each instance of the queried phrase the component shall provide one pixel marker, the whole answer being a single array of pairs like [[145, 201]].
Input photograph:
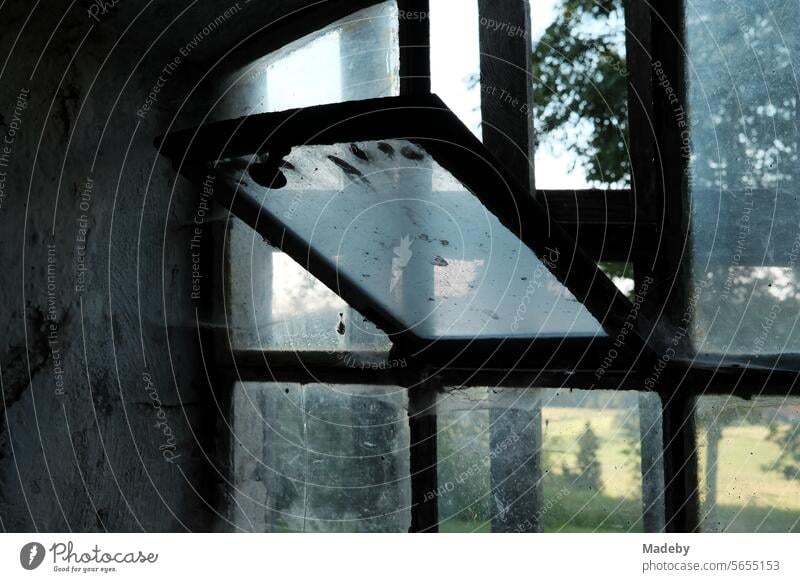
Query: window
[[273, 304], [424, 331], [580, 82], [743, 175], [574, 458], [455, 58], [354, 58], [749, 464], [318, 458], [388, 217]]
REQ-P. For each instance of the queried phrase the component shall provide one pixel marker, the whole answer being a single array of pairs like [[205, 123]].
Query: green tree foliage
[[787, 436], [580, 88]]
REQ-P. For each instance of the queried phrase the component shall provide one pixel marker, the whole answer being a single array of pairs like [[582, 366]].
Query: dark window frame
[[651, 217]]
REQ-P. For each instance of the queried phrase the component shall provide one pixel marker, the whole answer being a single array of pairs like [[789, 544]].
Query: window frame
[[652, 216]]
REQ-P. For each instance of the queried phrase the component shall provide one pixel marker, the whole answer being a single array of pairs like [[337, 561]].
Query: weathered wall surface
[[106, 418]]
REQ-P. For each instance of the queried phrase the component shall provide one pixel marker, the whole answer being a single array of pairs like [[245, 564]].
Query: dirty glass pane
[[749, 464], [355, 58], [318, 458], [274, 304], [593, 446], [580, 94], [422, 247], [455, 59], [743, 174]]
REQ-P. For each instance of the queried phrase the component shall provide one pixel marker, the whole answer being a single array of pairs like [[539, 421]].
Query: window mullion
[[507, 113], [423, 453], [507, 85], [415, 50], [415, 79], [681, 488]]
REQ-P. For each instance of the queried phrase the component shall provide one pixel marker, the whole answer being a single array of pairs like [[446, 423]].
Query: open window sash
[[395, 205]]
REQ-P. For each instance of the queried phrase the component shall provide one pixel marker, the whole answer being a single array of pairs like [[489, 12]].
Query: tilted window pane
[[749, 464], [742, 100], [274, 304], [593, 446], [420, 245], [320, 458], [352, 59], [580, 94]]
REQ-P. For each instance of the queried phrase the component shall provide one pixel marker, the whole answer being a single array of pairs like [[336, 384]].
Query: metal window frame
[[422, 119], [651, 216]]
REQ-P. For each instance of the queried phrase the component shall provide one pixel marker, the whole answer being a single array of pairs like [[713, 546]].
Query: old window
[[468, 298], [749, 464], [742, 175]]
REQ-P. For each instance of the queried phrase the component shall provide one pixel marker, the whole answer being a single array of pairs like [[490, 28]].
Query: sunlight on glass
[[420, 245], [621, 274]]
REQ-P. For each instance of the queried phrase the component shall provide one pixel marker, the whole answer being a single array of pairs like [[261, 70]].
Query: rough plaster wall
[[93, 458]]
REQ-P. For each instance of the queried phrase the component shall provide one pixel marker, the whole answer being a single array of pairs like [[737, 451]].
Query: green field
[[749, 497]]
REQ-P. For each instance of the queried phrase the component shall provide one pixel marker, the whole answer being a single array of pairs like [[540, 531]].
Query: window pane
[[320, 458], [580, 94], [355, 58], [274, 304], [592, 446], [742, 100], [749, 464], [455, 59], [424, 249]]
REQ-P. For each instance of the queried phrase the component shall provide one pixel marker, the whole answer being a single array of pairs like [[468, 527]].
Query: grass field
[[748, 497]]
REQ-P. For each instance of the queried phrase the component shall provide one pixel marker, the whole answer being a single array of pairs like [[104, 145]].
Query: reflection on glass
[[355, 58], [455, 58], [593, 445], [580, 94], [749, 464], [316, 458], [420, 245], [742, 103], [274, 304]]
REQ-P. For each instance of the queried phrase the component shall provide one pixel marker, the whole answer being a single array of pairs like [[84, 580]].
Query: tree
[[786, 434], [580, 91], [588, 463]]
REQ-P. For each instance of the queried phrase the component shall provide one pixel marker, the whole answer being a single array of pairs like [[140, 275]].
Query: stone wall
[[106, 420]]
